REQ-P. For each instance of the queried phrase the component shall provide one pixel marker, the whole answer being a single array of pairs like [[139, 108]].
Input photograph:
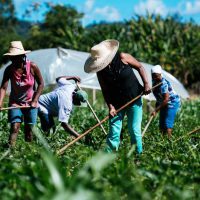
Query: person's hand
[[77, 79], [112, 111], [147, 89], [153, 113], [34, 104]]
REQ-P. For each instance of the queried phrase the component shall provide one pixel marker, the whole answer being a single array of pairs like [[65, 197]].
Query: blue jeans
[[46, 121], [134, 114], [167, 116], [28, 115]]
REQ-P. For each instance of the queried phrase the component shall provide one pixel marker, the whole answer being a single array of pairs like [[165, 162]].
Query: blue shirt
[[166, 87]]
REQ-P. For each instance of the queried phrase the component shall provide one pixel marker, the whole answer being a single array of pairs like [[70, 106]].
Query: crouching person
[[167, 101], [59, 103]]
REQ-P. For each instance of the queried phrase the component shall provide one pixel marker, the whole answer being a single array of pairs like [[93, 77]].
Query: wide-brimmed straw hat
[[16, 48], [101, 55]]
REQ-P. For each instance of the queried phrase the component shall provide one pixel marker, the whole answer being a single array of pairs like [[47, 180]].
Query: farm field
[[167, 169]]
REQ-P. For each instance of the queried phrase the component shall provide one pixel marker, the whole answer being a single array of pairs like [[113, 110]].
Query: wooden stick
[[14, 107], [146, 127], [88, 103], [191, 132], [60, 151]]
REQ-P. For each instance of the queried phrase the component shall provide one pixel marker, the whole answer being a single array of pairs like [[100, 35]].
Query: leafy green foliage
[[152, 39], [7, 14], [8, 22], [61, 27], [168, 169], [155, 40]]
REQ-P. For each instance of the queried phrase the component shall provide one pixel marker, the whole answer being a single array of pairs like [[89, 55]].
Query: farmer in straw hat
[[119, 85], [22, 73], [59, 103], [167, 101]]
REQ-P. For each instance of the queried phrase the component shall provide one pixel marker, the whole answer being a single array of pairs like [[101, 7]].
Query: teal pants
[[134, 115]]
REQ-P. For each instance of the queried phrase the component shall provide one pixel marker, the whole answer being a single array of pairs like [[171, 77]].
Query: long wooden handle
[[60, 151], [92, 128], [88, 103], [146, 127], [79, 137], [190, 133], [14, 107]]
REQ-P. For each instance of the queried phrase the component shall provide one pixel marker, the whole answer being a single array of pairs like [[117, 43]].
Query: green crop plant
[[167, 169]]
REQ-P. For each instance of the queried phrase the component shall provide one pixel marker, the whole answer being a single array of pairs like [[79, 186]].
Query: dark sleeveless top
[[119, 83]]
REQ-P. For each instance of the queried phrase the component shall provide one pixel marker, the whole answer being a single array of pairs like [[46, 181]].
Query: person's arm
[[40, 84], [69, 129], [162, 105], [75, 78], [129, 59], [112, 110], [4, 85]]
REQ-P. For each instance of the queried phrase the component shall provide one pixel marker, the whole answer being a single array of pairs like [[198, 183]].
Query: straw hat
[[16, 48], [101, 55]]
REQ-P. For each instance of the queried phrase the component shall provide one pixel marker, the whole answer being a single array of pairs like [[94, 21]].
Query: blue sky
[[116, 10]]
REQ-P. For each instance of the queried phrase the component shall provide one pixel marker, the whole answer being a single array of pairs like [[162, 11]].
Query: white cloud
[[19, 2], [192, 8], [151, 6], [89, 4], [158, 7], [108, 12]]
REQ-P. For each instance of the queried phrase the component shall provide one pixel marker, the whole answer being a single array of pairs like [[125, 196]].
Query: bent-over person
[[59, 103], [119, 86]]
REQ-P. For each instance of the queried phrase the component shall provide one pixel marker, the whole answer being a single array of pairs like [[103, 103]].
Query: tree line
[[168, 41]]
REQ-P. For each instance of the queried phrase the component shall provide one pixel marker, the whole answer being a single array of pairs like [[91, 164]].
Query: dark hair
[[115, 63], [116, 58], [75, 100]]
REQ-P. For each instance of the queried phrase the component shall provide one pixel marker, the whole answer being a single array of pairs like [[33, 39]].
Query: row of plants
[[167, 169]]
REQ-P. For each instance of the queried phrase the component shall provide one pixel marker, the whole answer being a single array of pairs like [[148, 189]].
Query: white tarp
[[58, 62]]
